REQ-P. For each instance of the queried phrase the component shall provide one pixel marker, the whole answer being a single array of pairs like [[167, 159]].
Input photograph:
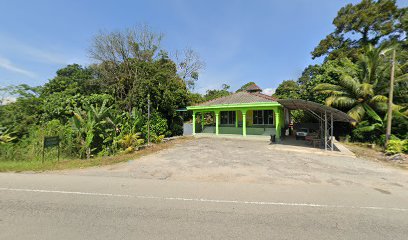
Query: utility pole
[[390, 96], [148, 119]]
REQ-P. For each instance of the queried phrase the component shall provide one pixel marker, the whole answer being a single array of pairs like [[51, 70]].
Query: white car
[[301, 133]]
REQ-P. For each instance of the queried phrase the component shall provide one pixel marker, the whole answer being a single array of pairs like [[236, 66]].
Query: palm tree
[[360, 92]]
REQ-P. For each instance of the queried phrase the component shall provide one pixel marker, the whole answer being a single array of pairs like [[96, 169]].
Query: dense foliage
[[102, 109], [354, 76]]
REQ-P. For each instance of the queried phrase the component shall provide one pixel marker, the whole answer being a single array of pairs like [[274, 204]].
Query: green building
[[248, 112]]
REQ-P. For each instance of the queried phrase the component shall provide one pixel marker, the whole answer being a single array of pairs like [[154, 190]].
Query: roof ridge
[[212, 100], [252, 87], [259, 94]]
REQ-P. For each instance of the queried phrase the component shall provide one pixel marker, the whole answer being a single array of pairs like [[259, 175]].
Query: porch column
[[277, 124], [217, 116], [236, 119], [202, 121], [194, 122], [243, 122]]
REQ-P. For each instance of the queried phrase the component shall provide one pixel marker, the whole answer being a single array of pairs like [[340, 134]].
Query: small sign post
[[51, 141]]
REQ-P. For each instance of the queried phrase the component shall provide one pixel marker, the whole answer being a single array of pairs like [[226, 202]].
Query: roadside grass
[[38, 166], [375, 153]]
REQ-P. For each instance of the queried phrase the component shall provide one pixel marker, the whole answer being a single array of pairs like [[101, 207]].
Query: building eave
[[235, 106]]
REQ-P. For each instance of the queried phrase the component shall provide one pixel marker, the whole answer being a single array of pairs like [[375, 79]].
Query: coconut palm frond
[[357, 112], [365, 89], [378, 98], [371, 112], [379, 106], [349, 83], [340, 101], [400, 110], [371, 63], [402, 78], [327, 86], [370, 128], [333, 92]]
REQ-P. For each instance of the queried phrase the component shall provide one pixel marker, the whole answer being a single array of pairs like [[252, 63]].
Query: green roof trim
[[236, 105]]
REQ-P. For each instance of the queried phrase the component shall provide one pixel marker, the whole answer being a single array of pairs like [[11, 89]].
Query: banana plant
[[88, 125]]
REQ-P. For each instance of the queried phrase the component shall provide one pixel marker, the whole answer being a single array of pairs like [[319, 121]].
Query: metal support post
[[325, 130], [331, 131]]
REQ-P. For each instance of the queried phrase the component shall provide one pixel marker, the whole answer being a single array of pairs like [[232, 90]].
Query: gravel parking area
[[237, 160]]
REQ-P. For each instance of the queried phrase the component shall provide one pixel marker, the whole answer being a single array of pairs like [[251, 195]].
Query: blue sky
[[240, 41]]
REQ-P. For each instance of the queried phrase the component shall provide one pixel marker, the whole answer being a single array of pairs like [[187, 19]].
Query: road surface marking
[[205, 200]]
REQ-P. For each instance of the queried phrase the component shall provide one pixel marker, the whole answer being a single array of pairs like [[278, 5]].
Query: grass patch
[[38, 166]]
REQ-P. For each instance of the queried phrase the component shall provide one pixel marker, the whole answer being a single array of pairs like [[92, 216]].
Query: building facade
[[243, 113]]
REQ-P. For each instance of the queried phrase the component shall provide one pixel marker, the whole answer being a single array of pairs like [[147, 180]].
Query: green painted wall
[[246, 108], [238, 131]]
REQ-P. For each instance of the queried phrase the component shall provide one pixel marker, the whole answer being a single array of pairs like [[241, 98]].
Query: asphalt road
[[42, 206]]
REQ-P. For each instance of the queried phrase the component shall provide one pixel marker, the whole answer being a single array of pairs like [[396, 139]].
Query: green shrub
[[157, 139], [131, 141], [30, 146], [381, 140], [395, 146], [158, 127]]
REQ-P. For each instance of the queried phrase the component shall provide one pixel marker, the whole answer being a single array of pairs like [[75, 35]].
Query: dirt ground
[[376, 155], [236, 160]]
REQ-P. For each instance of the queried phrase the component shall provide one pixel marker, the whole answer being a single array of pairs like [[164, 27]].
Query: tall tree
[[26, 111], [115, 54], [287, 89], [357, 25], [325, 73], [189, 65]]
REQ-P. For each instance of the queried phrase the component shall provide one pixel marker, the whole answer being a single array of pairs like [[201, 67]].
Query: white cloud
[[7, 100], [269, 91], [35, 53], [8, 65], [43, 56]]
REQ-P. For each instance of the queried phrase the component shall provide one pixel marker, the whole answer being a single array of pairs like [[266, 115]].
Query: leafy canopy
[[357, 25]]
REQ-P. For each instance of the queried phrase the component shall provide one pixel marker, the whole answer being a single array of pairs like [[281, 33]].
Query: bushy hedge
[[396, 146]]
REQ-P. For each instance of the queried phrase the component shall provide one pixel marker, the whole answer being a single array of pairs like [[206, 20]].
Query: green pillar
[[243, 122], [277, 124], [194, 122], [217, 115], [202, 121], [236, 119]]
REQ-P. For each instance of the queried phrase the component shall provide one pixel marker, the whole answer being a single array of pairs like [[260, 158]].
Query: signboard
[[51, 141]]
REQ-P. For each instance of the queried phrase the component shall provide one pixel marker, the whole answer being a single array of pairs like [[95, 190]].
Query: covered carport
[[324, 114]]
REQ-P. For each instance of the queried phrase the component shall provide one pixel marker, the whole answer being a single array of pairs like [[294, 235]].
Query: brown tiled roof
[[253, 87], [240, 97]]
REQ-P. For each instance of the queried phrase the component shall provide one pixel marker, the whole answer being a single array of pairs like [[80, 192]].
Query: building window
[[228, 117], [263, 117]]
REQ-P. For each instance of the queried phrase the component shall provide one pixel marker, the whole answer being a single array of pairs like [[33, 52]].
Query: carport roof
[[298, 104]]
